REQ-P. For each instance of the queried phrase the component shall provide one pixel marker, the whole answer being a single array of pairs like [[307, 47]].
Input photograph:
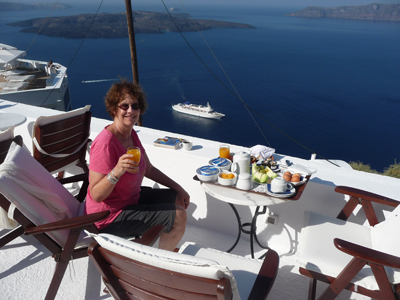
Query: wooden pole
[[131, 32]]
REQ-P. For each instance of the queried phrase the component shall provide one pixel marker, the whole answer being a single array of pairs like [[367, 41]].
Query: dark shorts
[[155, 207]]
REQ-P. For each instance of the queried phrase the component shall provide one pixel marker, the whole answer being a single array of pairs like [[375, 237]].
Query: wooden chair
[[365, 260], [45, 209], [133, 271], [32, 212], [60, 142]]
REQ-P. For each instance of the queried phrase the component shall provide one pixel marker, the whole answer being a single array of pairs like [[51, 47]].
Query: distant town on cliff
[[372, 12]]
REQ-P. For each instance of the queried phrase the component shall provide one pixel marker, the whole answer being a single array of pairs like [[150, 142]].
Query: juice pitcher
[[241, 163]]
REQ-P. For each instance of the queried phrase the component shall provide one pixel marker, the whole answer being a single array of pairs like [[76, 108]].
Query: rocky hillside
[[11, 6], [373, 12]]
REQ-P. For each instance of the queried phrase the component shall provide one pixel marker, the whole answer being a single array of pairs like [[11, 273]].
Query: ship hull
[[32, 82], [54, 98]]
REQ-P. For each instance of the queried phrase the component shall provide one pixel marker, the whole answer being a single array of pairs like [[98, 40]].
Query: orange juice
[[224, 151], [135, 151]]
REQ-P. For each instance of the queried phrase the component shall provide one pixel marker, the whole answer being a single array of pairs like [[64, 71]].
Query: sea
[[298, 85]]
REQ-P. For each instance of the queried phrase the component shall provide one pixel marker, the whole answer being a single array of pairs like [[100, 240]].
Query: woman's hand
[[125, 164], [182, 198]]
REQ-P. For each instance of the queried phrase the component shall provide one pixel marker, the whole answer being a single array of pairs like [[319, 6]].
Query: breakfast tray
[[296, 196]]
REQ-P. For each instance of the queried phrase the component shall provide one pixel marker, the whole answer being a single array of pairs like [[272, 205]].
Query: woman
[[112, 186]]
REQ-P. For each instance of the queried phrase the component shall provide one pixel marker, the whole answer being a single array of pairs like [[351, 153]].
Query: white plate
[[287, 194]]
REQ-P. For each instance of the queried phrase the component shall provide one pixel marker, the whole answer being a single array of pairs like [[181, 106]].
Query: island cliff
[[114, 25], [373, 12]]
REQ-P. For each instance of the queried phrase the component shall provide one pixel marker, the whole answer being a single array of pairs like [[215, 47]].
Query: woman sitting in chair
[[115, 181]]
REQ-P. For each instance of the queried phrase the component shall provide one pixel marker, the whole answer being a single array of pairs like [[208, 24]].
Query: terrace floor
[[26, 269]]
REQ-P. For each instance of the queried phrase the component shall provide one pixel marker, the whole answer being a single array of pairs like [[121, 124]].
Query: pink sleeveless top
[[104, 154]]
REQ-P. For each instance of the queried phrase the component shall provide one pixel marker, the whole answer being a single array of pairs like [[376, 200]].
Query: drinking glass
[[224, 151], [135, 151]]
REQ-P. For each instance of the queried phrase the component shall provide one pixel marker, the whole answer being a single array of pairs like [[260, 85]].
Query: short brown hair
[[116, 92]]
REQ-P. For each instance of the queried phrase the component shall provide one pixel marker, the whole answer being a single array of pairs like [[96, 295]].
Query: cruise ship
[[32, 82], [197, 110]]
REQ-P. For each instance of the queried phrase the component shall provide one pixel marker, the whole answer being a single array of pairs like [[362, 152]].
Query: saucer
[[287, 194]]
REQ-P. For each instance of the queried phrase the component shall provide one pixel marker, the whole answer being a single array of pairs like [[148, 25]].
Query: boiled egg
[[287, 177], [295, 178]]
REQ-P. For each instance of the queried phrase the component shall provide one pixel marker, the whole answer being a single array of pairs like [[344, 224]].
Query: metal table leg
[[240, 227], [253, 234], [252, 231]]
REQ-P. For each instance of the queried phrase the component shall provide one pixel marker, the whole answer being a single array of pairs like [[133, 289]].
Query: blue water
[[326, 86]]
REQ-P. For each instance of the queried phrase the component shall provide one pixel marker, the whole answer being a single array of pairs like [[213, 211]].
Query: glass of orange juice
[[135, 151], [224, 151]]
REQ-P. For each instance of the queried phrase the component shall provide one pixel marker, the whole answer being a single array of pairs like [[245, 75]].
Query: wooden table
[[234, 196]]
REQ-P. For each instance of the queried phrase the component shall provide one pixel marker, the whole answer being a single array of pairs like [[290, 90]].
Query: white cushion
[[176, 262], [244, 270], [7, 134], [317, 251], [26, 202], [385, 236], [51, 119]]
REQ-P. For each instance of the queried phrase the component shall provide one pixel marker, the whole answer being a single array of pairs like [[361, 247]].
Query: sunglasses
[[134, 106]]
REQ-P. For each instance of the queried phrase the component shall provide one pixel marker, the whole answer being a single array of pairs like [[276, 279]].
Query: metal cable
[[236, 94], [80, 45]]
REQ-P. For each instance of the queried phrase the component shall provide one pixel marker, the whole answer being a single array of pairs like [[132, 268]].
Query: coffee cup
[[187, 145], [279, 185]]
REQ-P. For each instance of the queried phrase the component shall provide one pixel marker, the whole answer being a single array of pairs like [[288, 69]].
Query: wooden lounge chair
[[346, 255], [45, 209], [57, 226], [6, 139], [133, 271], [60, 142]]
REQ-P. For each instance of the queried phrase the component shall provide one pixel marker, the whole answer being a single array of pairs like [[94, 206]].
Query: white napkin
[[261, 151]]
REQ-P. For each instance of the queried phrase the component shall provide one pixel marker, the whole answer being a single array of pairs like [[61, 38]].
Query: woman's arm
[[100, 187], [183, 198]]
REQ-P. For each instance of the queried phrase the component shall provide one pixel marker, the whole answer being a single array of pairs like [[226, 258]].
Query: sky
[[305, 3]]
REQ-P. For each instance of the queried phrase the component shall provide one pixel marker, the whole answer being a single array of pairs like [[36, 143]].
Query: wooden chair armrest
[[366, 195], [364, 198], [266, 276], [367, 254], [70, 223], [92, 247], [75, 178], [151, 235]]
